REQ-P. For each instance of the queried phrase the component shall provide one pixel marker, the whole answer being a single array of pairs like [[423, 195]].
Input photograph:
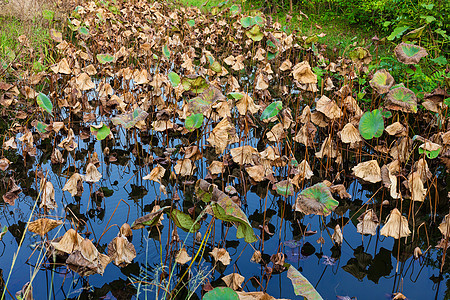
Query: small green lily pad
[[272, 110], [371, 124], [193, 122], [44, 102]]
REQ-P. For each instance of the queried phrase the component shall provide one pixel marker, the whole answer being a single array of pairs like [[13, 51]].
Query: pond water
[[365, 267]]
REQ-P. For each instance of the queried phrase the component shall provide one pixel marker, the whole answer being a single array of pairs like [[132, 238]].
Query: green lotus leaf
[[409, 53], [413, 34], [3, 232], [130, 119], [272, 110], [203, 102], [251, 21], [150, 219], [101, 133], [381, 81], [221, 293], [195, 84], [183, 221], [247, 22], [44, 102], [174, 79], [235, 96], [223, 208], [166, 51], [216, 67], [255, 33], [83, 30], [430, 149], [105, 58], [235, 9], [284, 188], [402, 99], [193, 122], [41, 127], [302, 287], [316, 200], [360, 55], [371, 124]]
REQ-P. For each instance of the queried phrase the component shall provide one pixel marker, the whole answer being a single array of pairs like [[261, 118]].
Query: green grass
[[10, 47], [339, 33]]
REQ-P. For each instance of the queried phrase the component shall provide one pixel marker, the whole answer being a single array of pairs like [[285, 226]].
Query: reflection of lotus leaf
[[317, 200]]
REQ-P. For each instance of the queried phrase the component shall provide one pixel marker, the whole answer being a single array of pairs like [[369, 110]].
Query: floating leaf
[[100, 132], [105, 58], [225, 209], [301, 285], [272, 110], [174, 79], [371, 124], [193, 121], [130, 119], [183, 221], [382, 81], [317, 200], [409, 53], [221, 293], [402, 99], [44, 102]]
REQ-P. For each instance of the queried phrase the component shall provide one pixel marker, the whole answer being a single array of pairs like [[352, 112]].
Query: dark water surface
[[365, 268]]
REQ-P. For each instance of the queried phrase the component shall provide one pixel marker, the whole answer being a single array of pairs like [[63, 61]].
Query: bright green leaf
[[371, 124], [221, 293], [193, 122], [166, 51], [397, 32], [183, 221], [174, 79], [44, 102], [272, 110], [101, 133], [105, 58]]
